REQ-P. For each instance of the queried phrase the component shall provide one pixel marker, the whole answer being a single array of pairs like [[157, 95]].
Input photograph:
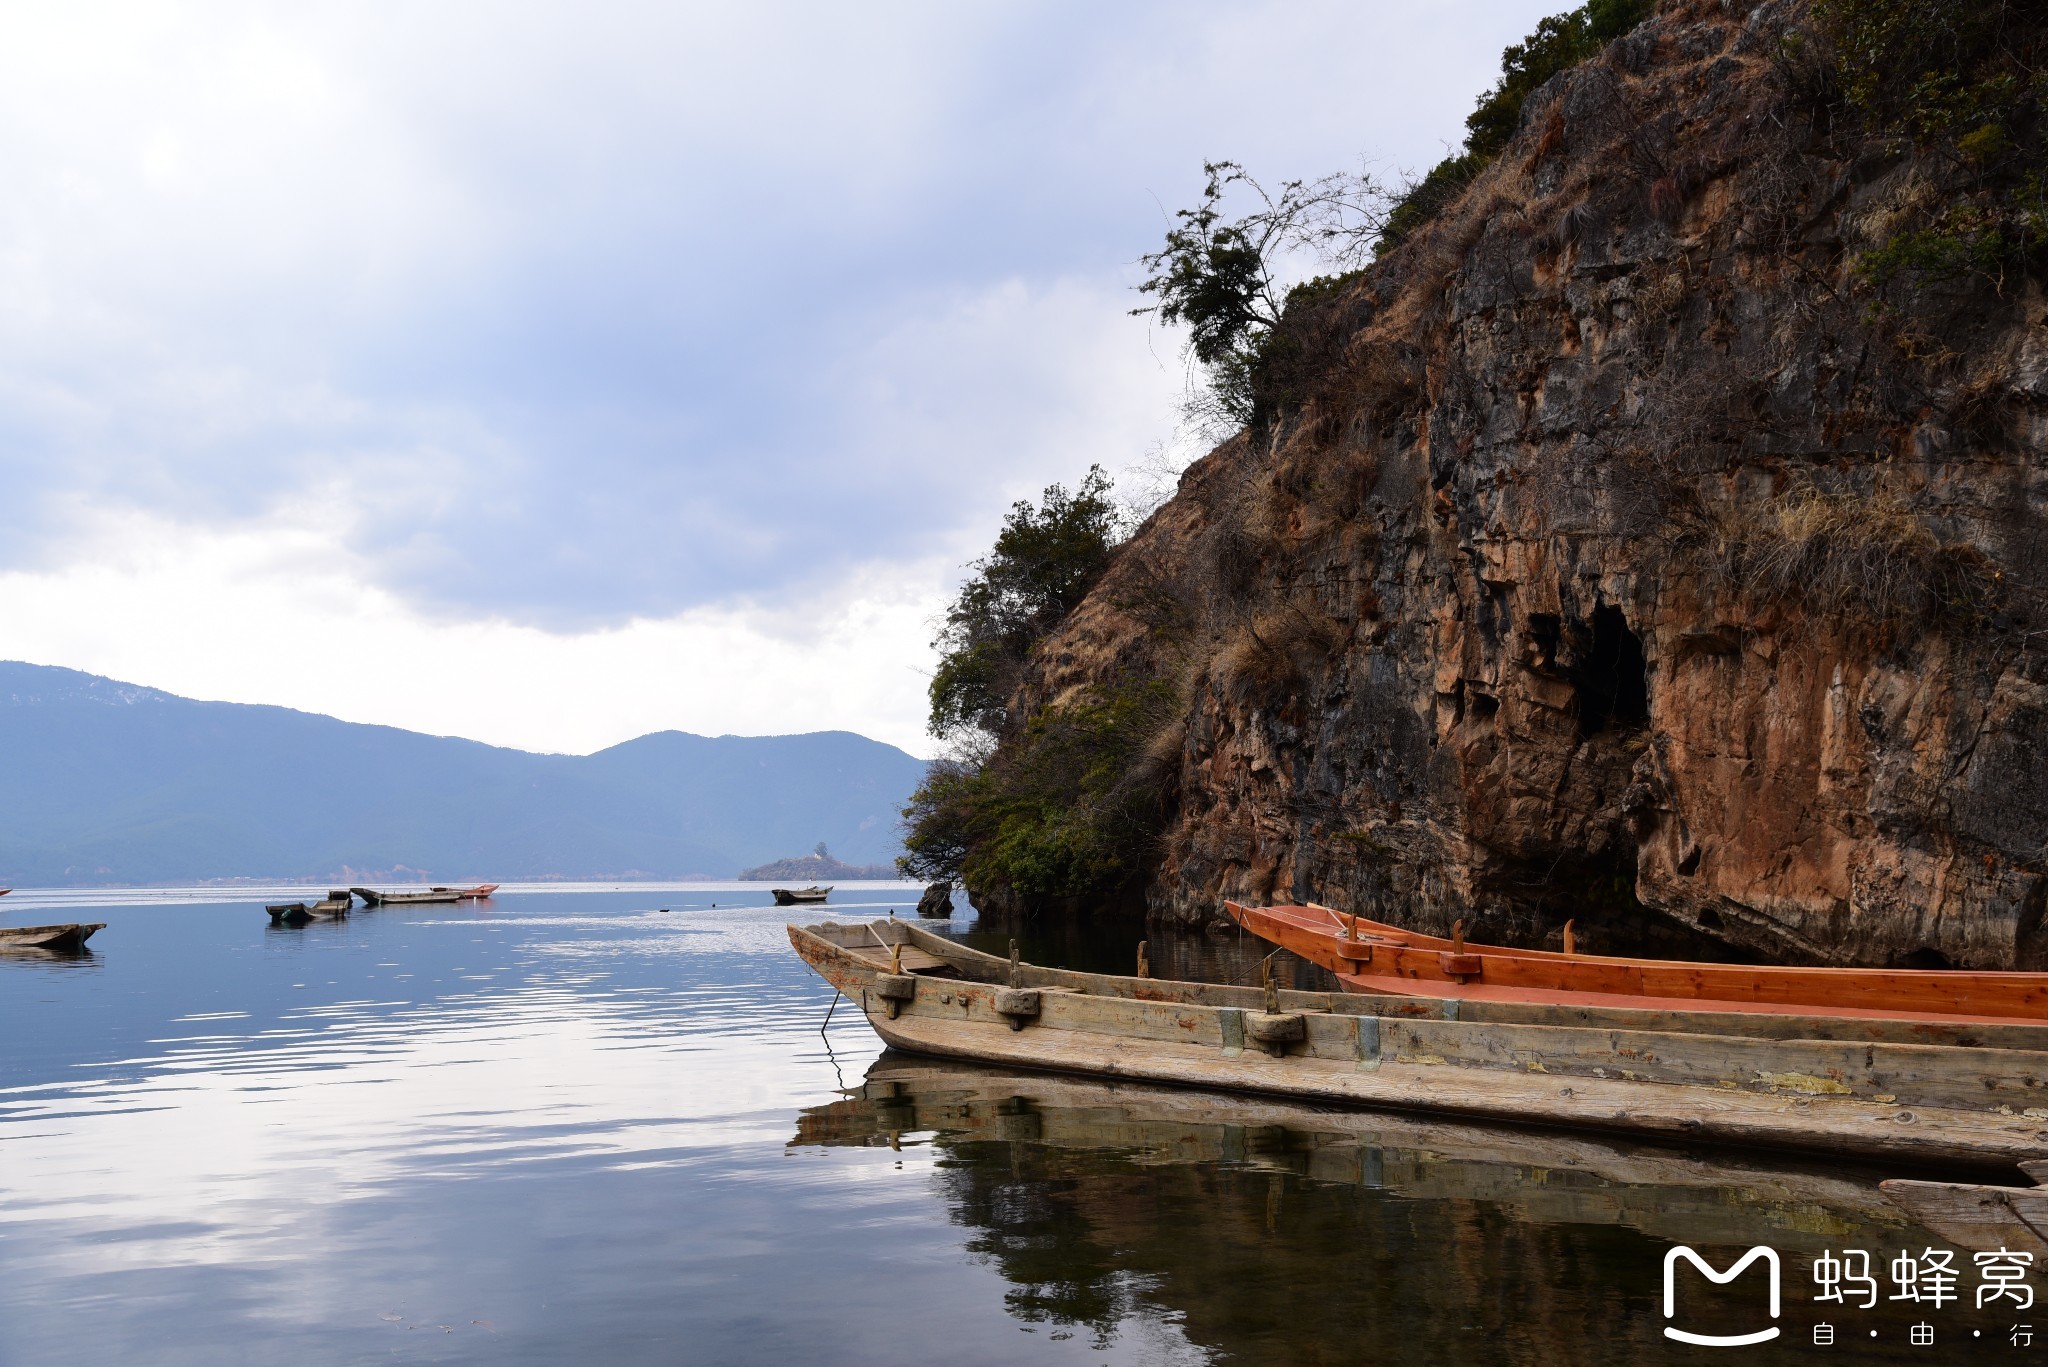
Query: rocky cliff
[[1618, 547]]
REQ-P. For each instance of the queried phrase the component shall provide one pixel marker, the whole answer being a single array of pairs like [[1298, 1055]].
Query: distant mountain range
[[106, 782]]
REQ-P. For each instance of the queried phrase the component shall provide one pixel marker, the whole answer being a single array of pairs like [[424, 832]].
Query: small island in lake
[[817, 866]]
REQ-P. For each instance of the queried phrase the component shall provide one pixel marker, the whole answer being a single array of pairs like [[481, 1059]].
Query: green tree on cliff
[[1218, 276], [1021, 814], [1045, 560]]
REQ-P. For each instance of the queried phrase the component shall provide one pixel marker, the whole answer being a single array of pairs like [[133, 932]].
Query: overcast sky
[[550, 374]]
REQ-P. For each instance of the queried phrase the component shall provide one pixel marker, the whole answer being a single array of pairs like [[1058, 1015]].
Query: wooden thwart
[[896, 956]]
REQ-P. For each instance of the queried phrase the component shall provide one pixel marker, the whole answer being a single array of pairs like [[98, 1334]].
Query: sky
[[549, 374]]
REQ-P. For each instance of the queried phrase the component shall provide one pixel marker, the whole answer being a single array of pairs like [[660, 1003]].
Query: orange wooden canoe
[[1369, 956]]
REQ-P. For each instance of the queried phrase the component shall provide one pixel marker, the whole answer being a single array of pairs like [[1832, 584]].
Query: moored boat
[[789, 897], [335, 904], [69, 937], [425, 897], [473, 894], [1887, 1089], [1372, 957]]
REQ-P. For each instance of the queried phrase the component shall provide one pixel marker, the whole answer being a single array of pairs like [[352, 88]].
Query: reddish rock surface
[[1611, 550]]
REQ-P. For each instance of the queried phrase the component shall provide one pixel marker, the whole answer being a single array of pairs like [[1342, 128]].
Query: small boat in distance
[[789, 897], [1372, 957], [333, 906], [64, 939], [429, 896], [475, 894]]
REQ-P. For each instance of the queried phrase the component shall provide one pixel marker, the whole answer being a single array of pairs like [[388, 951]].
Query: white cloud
[[439, 325], [986, 396], [282, 612]]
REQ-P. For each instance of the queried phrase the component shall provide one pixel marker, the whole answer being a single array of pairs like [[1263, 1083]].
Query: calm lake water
[[566, 1125]]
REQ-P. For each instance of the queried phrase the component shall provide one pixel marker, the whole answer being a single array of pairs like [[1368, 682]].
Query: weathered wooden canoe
[[425, 897], [789, 897], [1368, 956], [1885, 1089], [64, 937], [335, 904]]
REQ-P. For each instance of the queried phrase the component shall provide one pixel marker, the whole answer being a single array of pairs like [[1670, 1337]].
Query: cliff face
[[1611, 550]]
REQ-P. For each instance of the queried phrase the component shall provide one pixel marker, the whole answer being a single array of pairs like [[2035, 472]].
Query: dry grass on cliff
[[1279, 651], [1869, 560]]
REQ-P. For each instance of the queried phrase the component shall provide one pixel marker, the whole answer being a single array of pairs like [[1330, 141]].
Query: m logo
[[1770, 1257]]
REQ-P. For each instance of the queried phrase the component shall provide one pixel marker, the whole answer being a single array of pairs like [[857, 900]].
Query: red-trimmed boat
[[1370, 956]]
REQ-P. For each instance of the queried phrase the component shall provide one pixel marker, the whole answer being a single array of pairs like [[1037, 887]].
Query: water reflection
[[25, 957], [1276, 1233]]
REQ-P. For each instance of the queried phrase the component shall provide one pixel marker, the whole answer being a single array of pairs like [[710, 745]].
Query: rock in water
[[937, 900]]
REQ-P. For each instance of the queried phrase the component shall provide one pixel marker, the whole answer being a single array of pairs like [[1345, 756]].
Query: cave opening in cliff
[[1597, 891], [1614, 685]]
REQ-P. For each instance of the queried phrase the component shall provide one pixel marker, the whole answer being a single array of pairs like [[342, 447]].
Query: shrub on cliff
[[1559, 43], [1966, 85], [1044, 562], [1869, 561], [1067, 808], [1046, 813], [1219, 276]]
